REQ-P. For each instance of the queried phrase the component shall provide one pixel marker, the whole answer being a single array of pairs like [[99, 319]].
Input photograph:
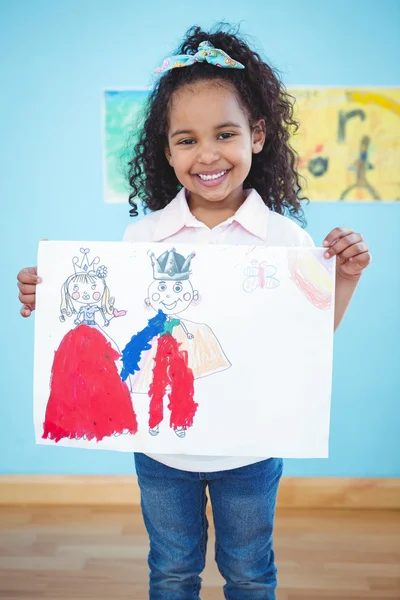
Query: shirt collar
[[174, 217], [252, 215]]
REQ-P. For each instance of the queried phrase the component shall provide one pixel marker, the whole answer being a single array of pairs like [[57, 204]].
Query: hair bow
[[205, 53]]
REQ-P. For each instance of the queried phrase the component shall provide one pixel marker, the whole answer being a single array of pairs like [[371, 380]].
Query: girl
[[214, 165], [95, 403]]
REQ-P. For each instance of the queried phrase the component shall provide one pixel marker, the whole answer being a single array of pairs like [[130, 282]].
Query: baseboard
[[294, 492], [340, 492]]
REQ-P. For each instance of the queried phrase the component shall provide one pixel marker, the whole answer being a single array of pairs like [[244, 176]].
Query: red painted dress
[[171, 370], [87, 396]]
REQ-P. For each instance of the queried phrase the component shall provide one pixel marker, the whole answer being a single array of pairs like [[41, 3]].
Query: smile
[[212, 179], [170, 306]]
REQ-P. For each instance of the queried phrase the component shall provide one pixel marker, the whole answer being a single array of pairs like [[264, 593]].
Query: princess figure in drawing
[[170, 353], [87, 397]]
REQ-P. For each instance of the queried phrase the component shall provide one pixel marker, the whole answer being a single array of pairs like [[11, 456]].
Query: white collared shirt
[[252, 224]]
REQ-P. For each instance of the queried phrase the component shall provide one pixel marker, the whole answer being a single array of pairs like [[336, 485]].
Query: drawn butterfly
[[262, 275]]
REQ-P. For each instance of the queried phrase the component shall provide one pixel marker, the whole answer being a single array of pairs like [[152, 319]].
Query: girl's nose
[[208, 154]]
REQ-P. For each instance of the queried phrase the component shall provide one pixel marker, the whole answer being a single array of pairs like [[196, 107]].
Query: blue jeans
[[174, 511]]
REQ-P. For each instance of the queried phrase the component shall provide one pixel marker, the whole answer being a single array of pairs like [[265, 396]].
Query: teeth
[[211, 177]]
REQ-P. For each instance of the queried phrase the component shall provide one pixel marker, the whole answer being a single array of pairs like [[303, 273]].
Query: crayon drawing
[[260, 275], [313, 277], [171, 352], [87, 398], [184, 350]]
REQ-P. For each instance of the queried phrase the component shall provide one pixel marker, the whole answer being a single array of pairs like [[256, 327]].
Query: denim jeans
[[174, 511]]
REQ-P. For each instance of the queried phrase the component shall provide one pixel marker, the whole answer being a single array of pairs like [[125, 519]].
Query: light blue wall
[[56, 58]]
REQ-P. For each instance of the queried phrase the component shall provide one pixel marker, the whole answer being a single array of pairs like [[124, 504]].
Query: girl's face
[[86, 292], [172, 297], [211, 143]]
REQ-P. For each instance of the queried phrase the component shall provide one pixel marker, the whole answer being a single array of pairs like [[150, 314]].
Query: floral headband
[[205, 53]]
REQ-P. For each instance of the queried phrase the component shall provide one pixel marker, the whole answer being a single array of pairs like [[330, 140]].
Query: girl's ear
[[147, 301], [258, 136], [168, 156]]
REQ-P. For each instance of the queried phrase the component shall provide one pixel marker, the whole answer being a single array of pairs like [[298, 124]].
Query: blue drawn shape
[[260, 275], [140, 342], [318, 166]]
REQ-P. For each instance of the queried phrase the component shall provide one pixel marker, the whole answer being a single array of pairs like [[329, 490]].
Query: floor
[[81, 553]]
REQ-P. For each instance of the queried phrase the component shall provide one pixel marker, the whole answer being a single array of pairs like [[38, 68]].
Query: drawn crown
[[85, 265], [171, 265]]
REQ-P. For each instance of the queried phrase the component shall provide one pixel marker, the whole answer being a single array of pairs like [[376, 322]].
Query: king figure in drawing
[[171, 352]]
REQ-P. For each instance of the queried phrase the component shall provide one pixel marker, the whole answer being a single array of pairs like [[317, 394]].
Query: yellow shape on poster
[[348, 143]]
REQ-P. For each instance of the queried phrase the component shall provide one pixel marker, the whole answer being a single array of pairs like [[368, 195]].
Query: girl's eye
[[162, 287], [187, 142], [177, 288], [94, 286], [226, 135], [76, 288]]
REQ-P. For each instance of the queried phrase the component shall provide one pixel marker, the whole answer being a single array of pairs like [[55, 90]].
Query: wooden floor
[[82, 553]]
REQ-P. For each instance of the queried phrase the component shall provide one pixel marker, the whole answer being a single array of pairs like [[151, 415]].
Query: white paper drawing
[[222, 350]]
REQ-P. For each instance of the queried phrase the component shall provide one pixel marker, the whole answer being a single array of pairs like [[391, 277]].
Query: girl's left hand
[[352, 253]]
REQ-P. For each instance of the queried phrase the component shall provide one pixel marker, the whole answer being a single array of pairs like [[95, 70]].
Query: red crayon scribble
[[320, 298], [317, 297], [87, 395], [171, 369]]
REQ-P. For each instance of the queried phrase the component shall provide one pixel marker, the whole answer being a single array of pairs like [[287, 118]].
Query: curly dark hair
[[273, 171]]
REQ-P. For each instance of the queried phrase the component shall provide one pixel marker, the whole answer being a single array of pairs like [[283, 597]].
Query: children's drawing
[[260, 275], [313, 277], [87, 397], [185, 398], [348, 126], [361, 166], [170, 352]]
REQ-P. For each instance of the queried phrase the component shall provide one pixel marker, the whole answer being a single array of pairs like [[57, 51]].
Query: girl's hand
[[352, 253], [27, 281]]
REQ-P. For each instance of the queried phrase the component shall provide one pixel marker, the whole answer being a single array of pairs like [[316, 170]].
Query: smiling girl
[[214, 164]]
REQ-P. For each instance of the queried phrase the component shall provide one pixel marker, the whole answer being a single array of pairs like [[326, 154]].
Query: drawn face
[[171, 297], [85, 291]]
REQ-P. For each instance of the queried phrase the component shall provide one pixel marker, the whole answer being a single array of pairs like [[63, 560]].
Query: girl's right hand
[[27, 281]]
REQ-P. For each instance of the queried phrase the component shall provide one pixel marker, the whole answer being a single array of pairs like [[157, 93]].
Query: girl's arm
[[352, 257]]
